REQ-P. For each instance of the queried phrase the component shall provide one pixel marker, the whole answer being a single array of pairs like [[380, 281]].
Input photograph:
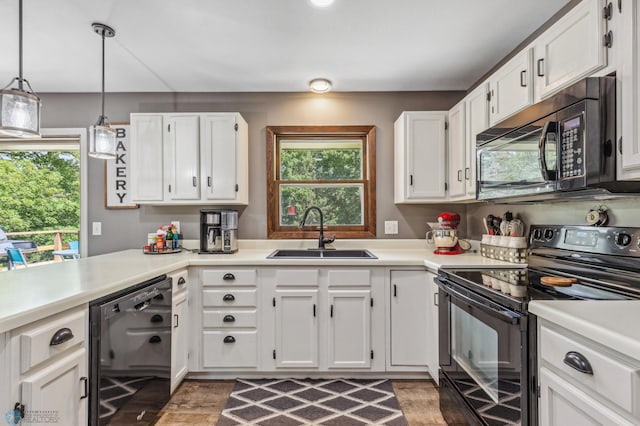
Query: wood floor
[[199, 402]]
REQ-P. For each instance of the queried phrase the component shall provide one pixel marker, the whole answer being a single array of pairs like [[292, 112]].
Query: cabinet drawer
[[38, 341], [179, 281], [612, 378], [229, 319], [239, 350], [353, 277], [227, 277], [297, 277], [228, 297]]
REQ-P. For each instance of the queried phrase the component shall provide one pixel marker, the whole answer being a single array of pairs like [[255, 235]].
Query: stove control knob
[[537, 234], [548, 234], [623, 239]]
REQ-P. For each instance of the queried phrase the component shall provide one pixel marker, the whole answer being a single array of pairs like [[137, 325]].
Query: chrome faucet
[[321, 239]]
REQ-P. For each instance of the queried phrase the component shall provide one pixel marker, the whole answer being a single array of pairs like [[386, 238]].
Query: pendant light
[[19, 108], [102, 138]]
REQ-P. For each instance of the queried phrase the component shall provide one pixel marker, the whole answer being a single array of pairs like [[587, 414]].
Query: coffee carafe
[[218, 231]]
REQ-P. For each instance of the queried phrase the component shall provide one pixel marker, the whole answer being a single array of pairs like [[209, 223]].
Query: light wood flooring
[[199, 402]]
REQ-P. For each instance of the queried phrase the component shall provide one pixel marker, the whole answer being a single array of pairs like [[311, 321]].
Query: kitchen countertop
[[612, 323], [29, 294]]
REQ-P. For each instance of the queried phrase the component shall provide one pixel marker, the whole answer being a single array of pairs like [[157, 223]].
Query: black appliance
[[218, 231], [130, 354], [487, 337], [564, 146]]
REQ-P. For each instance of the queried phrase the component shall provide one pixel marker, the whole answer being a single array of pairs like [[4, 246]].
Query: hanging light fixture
[[19, 108], [102, 138]]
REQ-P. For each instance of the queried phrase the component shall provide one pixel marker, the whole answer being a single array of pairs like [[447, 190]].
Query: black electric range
[[487, 337]]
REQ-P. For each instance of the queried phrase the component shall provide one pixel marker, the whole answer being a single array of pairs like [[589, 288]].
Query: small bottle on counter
[[160, 243], [147, 249], [169, 238]]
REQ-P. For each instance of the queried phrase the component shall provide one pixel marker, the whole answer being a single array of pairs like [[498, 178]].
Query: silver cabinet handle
[[540, 69], [523, 78], [467, 171], [195, 182], [459, 175], [209, 181], [177, 318], [85, 382], [435, 299]]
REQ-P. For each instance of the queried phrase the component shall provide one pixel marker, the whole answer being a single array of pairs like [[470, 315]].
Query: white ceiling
[[264, 45]]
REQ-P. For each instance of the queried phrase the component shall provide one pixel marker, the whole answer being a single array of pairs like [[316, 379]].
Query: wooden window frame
[[368, 136]]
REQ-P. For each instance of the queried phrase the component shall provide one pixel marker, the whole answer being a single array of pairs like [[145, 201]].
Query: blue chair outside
[[71, 252], [15, 256]]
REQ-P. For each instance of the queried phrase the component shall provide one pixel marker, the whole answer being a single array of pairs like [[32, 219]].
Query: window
[[331, 167]]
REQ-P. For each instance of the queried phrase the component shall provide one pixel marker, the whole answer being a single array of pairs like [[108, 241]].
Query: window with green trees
[[331, 167]]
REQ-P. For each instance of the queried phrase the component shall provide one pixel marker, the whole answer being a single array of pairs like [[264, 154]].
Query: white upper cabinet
[[182, 151], [457, 152], [420, 157], [223, 139], [146, 152], [189, 158], [628, 90], [511, 87], [571, 49], [477, 117]]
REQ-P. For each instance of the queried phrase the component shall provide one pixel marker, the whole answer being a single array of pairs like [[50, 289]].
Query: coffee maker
[[218, 231]]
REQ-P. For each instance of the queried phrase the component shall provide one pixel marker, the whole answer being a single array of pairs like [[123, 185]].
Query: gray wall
[[128, 228], [622, 212]]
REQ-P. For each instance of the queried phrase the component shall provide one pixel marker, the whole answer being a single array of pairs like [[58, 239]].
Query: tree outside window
[[331, 167]]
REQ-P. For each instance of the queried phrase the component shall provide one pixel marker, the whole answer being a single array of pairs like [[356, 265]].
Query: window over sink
[[331, 167]]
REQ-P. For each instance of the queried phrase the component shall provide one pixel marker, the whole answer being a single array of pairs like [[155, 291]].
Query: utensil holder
[[508, 249]]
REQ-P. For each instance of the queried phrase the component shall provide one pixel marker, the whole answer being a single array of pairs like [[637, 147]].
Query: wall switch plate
[[97, 228], [390, 226]]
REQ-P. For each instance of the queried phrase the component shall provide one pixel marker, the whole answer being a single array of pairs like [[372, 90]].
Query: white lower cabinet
[[410, 318], [583, 382], [46, 364], [296, 321], [433, 351], [349, 329], [562, 403], [179, 341], [58, 393]]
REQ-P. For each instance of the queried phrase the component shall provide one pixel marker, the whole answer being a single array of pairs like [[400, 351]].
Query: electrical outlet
[[97, 228], [390, 226]]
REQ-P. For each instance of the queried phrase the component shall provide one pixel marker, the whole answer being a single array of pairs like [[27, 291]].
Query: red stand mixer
[[445, 236]]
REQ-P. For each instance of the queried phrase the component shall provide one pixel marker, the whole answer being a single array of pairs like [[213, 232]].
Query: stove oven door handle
[[504, 314]]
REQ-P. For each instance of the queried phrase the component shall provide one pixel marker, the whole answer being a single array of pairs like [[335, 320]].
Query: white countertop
[[29, 294], [612, 323]]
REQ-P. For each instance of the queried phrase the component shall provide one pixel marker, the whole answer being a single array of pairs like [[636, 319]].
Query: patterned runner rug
[[292, 402]]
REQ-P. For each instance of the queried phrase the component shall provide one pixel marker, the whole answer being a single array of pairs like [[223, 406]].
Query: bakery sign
[[117, 185]]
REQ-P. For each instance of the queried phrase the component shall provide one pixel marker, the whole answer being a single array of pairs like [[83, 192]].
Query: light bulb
[[102, 142]]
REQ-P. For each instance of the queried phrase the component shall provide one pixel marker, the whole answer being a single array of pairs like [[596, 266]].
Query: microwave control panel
[[571, 148]]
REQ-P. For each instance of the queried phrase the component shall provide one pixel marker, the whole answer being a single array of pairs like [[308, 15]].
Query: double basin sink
[[321, 254]]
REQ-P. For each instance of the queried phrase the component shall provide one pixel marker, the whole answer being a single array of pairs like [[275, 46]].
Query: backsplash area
[[622, 212]]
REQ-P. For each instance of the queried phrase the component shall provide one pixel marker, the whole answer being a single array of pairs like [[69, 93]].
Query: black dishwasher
[[130, 354]]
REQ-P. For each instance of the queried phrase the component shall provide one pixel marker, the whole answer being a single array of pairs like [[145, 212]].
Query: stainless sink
[[321, 254]]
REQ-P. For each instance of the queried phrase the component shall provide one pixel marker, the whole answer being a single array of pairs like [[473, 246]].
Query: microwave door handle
[[549, 127]]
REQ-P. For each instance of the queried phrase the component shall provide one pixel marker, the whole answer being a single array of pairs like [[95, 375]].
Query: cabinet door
[[220, 154], [179, 341], [457, 152], [562, 403], [182, 157], [511, 87], [60, 389], [420, 162], [571, 49], [477, 121], [146, 158], [628, 91], [296, 328], [349, 328], [433, 360], [410, 318]]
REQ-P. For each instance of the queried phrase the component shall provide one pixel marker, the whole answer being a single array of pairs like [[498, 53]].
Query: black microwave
[[561, 147]]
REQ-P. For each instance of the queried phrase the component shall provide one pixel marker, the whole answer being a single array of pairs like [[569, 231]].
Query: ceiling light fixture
[[102, 138], [19, 108], [320, 85], [322, 3]]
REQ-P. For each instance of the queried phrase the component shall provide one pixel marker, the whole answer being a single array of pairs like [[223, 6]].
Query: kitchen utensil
[[486, 225], [558, 281], [504, 228], [516, 228]]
